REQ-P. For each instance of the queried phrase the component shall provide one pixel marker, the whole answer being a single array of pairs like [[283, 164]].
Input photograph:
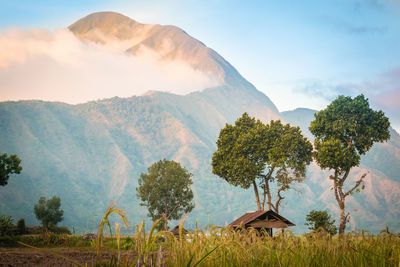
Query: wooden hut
[[266, 219], [175, 231]]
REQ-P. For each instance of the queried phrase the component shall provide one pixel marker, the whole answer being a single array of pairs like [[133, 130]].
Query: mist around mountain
[[92, 154]]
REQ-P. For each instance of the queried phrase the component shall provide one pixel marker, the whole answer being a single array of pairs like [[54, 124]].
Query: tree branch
[[347, 218], [264, 195], [267, 177], [172, 211], [356, 185], [276, 207], [335, 186], [257, 195], [341, 180]]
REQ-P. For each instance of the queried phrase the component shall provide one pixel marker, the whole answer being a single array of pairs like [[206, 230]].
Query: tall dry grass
[[226, 247], [222, 246]]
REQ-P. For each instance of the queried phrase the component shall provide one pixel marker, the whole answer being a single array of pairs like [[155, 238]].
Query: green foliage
[[48, 211], [317, 219], [251, 151], [346, 129], [8, 165], [49, 239], [165, 190], [21, 226], [128, 243], [59, 229], [6, 225], [9, 240], [241, 151]]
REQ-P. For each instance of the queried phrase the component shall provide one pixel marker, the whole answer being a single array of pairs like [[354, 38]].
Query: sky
[[299, 53]]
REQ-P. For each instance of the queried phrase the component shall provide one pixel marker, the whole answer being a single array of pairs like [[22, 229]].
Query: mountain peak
[[100, 25], [168, 42]]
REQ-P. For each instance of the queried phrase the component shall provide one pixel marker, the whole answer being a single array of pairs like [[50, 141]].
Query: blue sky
[[299, 53]]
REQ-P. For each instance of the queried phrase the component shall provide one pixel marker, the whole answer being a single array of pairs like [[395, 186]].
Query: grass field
[[224, 247], [219, 246]]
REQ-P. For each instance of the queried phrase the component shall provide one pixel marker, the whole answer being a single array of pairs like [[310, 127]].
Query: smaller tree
[[21, 226], [165, 191], [316, 219], [345, 131], [8, 165], [48, 211]]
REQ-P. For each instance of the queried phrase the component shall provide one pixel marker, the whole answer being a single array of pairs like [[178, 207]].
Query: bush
[[21, 226], [48, 239], [6, 225], [60, 229], [128, 243], [8, 241], [317, 220]]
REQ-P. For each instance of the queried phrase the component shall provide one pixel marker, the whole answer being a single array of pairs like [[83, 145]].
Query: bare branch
[[277, 203], [172, 211], [268, 175], [341, 180], [264, 196], [347, 217], [358, 183], [335, 186]]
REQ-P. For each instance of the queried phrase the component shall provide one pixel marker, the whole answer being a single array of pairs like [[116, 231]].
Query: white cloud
[[56, 66]]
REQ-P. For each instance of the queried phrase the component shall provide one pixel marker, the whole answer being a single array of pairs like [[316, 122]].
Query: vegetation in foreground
[[225, 247]]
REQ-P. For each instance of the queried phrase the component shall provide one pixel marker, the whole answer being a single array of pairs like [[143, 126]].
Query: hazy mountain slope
[[92, 154], [300, 117]]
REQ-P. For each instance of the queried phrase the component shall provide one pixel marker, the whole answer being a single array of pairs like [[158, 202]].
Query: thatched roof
[[175, 231], [262, 219]]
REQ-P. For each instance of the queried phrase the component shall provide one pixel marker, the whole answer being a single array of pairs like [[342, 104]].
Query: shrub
[[21, 226], [128, 243], [8, 241], [6, 225], [317, 219], [60, 229]]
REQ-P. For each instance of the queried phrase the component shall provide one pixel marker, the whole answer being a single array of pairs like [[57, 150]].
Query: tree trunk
[[268, 194], [341, 197], [165, 222], [257, 196], [343, 218]]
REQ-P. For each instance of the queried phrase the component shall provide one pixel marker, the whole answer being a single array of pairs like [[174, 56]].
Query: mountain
[[92, 154], [167, 41]]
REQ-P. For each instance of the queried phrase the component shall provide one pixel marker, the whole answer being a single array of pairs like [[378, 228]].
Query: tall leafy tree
[[165, 191], [343, 132], [251, 153], [48, 211], [8, 165], [317, 219]]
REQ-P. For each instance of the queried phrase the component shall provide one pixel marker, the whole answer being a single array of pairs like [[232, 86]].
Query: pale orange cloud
[[56, 66]]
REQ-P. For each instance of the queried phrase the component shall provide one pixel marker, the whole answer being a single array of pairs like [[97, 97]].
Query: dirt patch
[[32, 257]]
